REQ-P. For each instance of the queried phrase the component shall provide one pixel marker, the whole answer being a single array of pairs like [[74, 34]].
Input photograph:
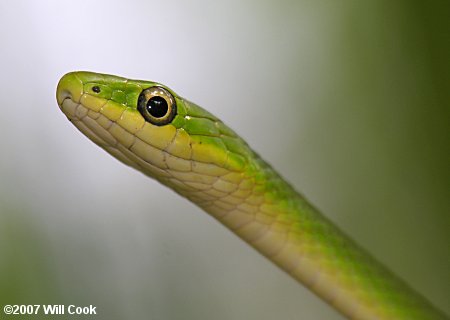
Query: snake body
[[149, 127]]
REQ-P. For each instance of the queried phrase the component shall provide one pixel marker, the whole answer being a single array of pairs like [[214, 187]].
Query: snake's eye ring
[[157, 106]]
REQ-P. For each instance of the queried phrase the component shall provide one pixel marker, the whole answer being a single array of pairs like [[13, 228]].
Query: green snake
[[149, 127]]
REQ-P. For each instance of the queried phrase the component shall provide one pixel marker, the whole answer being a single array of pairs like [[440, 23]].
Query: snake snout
[[69, 87]]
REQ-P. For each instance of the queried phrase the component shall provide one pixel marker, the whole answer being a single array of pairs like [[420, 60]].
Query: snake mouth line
[[76, 113], [98, 128]]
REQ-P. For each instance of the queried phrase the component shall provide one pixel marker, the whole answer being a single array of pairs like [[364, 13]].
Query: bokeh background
[[347, 99]]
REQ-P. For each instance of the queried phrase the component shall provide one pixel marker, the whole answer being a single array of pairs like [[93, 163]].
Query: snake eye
[[157, 106]]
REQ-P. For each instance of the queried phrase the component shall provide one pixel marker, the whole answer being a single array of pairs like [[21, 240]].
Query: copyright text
[[48, 309]]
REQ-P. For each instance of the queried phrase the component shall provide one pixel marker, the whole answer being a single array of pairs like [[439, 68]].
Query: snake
[[148, 126]]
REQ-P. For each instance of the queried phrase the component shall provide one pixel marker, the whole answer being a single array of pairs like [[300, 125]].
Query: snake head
[[149, 127]]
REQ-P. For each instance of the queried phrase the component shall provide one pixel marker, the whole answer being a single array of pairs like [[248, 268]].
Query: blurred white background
[[331, 93]]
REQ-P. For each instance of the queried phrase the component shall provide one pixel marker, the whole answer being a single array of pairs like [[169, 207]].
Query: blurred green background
[[347, 99]]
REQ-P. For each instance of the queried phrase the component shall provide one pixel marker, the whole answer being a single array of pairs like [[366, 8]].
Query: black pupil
[[96, 89], [157, 107]]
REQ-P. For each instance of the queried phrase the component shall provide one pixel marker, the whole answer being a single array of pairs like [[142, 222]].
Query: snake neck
[[266, 212]]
